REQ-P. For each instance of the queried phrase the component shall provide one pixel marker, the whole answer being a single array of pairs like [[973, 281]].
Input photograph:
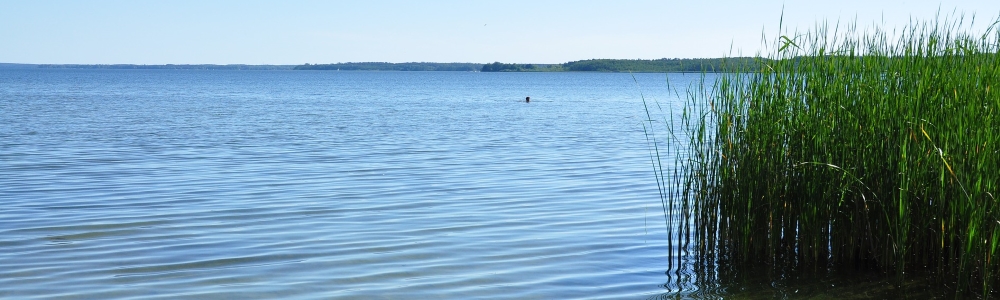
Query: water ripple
[[225, 184]]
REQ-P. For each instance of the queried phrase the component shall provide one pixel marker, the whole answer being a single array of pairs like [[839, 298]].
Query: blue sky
[[539, 31]]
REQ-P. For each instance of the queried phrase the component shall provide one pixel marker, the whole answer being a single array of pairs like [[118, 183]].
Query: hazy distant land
[[169, 67], [385, 66], [663, 65]]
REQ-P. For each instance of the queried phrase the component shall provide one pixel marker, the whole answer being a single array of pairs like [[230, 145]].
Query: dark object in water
[[527, 99]]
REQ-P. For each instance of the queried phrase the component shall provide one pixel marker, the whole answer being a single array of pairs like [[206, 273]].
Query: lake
[[166, 184], [308, 184]]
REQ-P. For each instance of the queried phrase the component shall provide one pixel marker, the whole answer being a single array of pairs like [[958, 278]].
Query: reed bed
[[846, 148]]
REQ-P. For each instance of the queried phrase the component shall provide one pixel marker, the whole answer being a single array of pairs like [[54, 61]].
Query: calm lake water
[[295, 184], [165, 184]]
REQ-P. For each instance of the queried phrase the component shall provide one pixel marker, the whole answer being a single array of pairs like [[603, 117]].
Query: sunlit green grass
[[849, 147]]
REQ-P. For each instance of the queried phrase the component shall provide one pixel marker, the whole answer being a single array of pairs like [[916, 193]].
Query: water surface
[[296, 184], [166, 184]]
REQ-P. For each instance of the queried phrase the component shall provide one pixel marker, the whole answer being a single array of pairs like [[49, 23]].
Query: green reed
[[847, 147]]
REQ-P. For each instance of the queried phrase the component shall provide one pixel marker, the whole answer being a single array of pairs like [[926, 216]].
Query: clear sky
[[534, 31]]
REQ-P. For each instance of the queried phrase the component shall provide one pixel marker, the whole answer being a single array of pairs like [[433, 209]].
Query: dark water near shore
[[283, 184]]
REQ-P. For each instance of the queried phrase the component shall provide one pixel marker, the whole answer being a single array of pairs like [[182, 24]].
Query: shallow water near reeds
[[295, 184]]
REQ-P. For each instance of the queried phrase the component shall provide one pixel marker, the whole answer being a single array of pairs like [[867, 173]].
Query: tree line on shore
[[386, 66], [664, 65]]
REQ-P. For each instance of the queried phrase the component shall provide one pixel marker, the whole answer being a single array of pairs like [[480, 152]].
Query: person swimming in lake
[[527, 99]]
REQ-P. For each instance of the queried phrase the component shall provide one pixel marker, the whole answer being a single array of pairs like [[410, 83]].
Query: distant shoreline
[[664, 65], [146, 67]]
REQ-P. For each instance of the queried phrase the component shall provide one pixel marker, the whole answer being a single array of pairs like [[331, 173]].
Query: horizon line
[[350, 62]]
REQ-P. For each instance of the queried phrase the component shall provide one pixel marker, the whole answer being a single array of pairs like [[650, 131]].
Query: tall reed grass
[[846, 148]]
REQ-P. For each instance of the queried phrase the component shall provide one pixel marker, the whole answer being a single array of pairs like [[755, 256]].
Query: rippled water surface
[[268, 184]]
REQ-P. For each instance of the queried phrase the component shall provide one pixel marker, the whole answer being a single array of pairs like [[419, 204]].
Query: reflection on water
[[715, 281]]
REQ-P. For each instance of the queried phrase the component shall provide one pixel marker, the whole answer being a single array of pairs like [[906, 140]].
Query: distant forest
[[385, 66], [502, 67], [664, 65]]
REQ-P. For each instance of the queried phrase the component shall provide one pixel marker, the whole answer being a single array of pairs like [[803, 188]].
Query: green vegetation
[[664, 65], [502, 67], [385, 66], [845, 149]]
